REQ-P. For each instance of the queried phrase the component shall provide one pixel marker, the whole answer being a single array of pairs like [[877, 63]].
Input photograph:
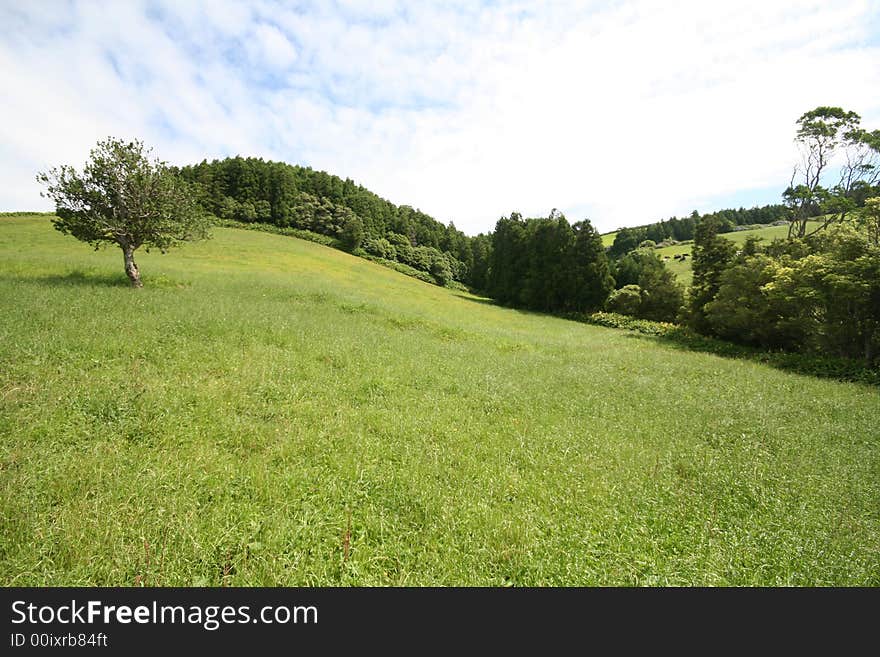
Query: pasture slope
[[268, 411], [682, 268]]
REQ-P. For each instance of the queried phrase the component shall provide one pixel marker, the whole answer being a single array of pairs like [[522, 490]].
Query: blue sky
[[623, 112]]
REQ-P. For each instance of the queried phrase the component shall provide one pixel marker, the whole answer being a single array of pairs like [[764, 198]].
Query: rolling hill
[[682, 268], [270, 411]]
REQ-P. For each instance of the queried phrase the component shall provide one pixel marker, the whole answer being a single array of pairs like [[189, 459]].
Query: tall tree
[[124, 198], [626, 240], [822, 133], [711, 256], [591, 272], [508, 259], [481, 249]]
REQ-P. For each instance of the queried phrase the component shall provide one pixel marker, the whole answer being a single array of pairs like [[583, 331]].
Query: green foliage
[[869, 220], [625, 301], [660, 295], [743, 310], [307, 235], [508, 260], [123, 197], [822, 134], [440, 269], [626, 240], [835, 291], [591, 278], [810, 364], [545, 283], [262, 211], [819, 294], [352, 232], [381, 248], [546, 264], [627, 322], [481, 250], [711, 256]]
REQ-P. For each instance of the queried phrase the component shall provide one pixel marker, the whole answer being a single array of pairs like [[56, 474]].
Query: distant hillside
[[682, 229], [253, 190], [681, 267]]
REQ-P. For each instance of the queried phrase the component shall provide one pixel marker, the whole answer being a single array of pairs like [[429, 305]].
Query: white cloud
[[270, 48], [631, 112]]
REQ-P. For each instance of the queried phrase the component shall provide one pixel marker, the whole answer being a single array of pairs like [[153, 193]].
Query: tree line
[[683, 229]]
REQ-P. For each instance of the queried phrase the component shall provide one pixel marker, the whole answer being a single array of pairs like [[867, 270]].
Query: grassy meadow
[[269, 411], [608, 238], [682, 268]]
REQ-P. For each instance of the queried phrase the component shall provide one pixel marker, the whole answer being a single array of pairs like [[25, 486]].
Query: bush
[[307, 235], [440, 269], [403, 269], [352, 233], [381, 248], [618, 321], [660, 296], [625, 301]]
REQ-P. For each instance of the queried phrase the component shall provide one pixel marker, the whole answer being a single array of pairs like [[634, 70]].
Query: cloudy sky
[[623, 112]]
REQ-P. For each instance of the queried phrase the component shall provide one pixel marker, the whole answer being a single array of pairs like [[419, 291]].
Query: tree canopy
[[124, 198], [823, 134]]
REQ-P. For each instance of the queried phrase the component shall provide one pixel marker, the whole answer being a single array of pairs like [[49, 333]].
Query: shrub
[[625, 301]]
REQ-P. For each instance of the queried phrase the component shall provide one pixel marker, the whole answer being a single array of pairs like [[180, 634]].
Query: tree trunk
[[131, 269]]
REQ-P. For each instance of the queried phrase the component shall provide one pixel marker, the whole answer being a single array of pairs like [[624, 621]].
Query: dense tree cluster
[[646, 287], [254, 190], [548, 264], [820, 293], [816, 291]]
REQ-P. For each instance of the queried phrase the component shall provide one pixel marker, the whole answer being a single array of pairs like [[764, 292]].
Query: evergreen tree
[[508, 259], [711, 256], [592, 281]]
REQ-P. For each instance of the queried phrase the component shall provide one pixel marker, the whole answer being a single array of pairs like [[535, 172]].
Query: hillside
[[252, 190], [682, 268], [271, 411], [608, 239]]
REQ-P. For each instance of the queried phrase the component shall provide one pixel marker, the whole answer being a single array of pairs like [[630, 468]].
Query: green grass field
[[268, 411]]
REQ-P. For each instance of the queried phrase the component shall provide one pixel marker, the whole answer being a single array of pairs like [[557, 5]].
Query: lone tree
[[123, 197]]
